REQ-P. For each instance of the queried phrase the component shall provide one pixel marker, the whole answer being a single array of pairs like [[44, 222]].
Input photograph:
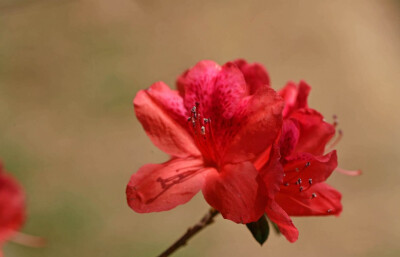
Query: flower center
[[203, 136]]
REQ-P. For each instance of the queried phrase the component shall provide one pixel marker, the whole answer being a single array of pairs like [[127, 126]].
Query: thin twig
[[204, 222]]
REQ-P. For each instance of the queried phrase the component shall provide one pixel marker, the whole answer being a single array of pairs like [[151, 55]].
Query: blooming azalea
[[305, 163], [12, 207], [215, 126]]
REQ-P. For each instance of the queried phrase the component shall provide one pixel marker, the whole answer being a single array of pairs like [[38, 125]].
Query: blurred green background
[[69, 70]]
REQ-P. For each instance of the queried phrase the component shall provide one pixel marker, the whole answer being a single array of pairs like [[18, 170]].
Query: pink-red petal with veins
[[319, 199], [315, 133], [198, 83], [255, 75], [161, 187], [237, 191], [163, 117], [218, 90], [229, 89]]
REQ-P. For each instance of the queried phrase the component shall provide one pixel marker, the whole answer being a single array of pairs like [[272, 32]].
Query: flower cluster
[[12, 207], [249, 149]]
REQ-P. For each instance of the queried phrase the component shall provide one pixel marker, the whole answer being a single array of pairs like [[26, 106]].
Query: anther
[[286, 184], [205, 121], [188, 119], [308, 164], [310, 181], [301, 189], [335, 120], [313, 195], [203, 130], [335, 142], [299, 181], [194, 109]]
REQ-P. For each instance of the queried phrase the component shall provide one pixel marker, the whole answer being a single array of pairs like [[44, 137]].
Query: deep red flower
[[214, 127], [306, 166], [12, 207]]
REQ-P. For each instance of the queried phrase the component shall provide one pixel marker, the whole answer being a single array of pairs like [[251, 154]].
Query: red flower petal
[[163, 117], [272, 172], [241, 126], [315, 133], [255, 75], [295, 96], [12, 207], [161, 187], [289, 137], [198, 83], [277, 215], [319, 199], [237, 191], [218, 90], [300, 168], [255, 128]]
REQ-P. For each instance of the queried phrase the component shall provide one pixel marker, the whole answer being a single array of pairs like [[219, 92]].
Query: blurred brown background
[[68, 73]]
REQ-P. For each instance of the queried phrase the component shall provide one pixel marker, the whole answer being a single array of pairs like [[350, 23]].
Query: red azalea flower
[[12, 207], [214, 127], [305, 134]]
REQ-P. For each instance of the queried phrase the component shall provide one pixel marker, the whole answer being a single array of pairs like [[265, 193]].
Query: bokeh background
[[69, 70]]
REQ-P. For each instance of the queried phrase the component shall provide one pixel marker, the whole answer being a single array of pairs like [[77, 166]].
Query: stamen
[[28, 240], [295, 176], [203, 135], [334, 143], [349, 172], [301, 189], [310, 181], [313, 195], [335, 121]]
